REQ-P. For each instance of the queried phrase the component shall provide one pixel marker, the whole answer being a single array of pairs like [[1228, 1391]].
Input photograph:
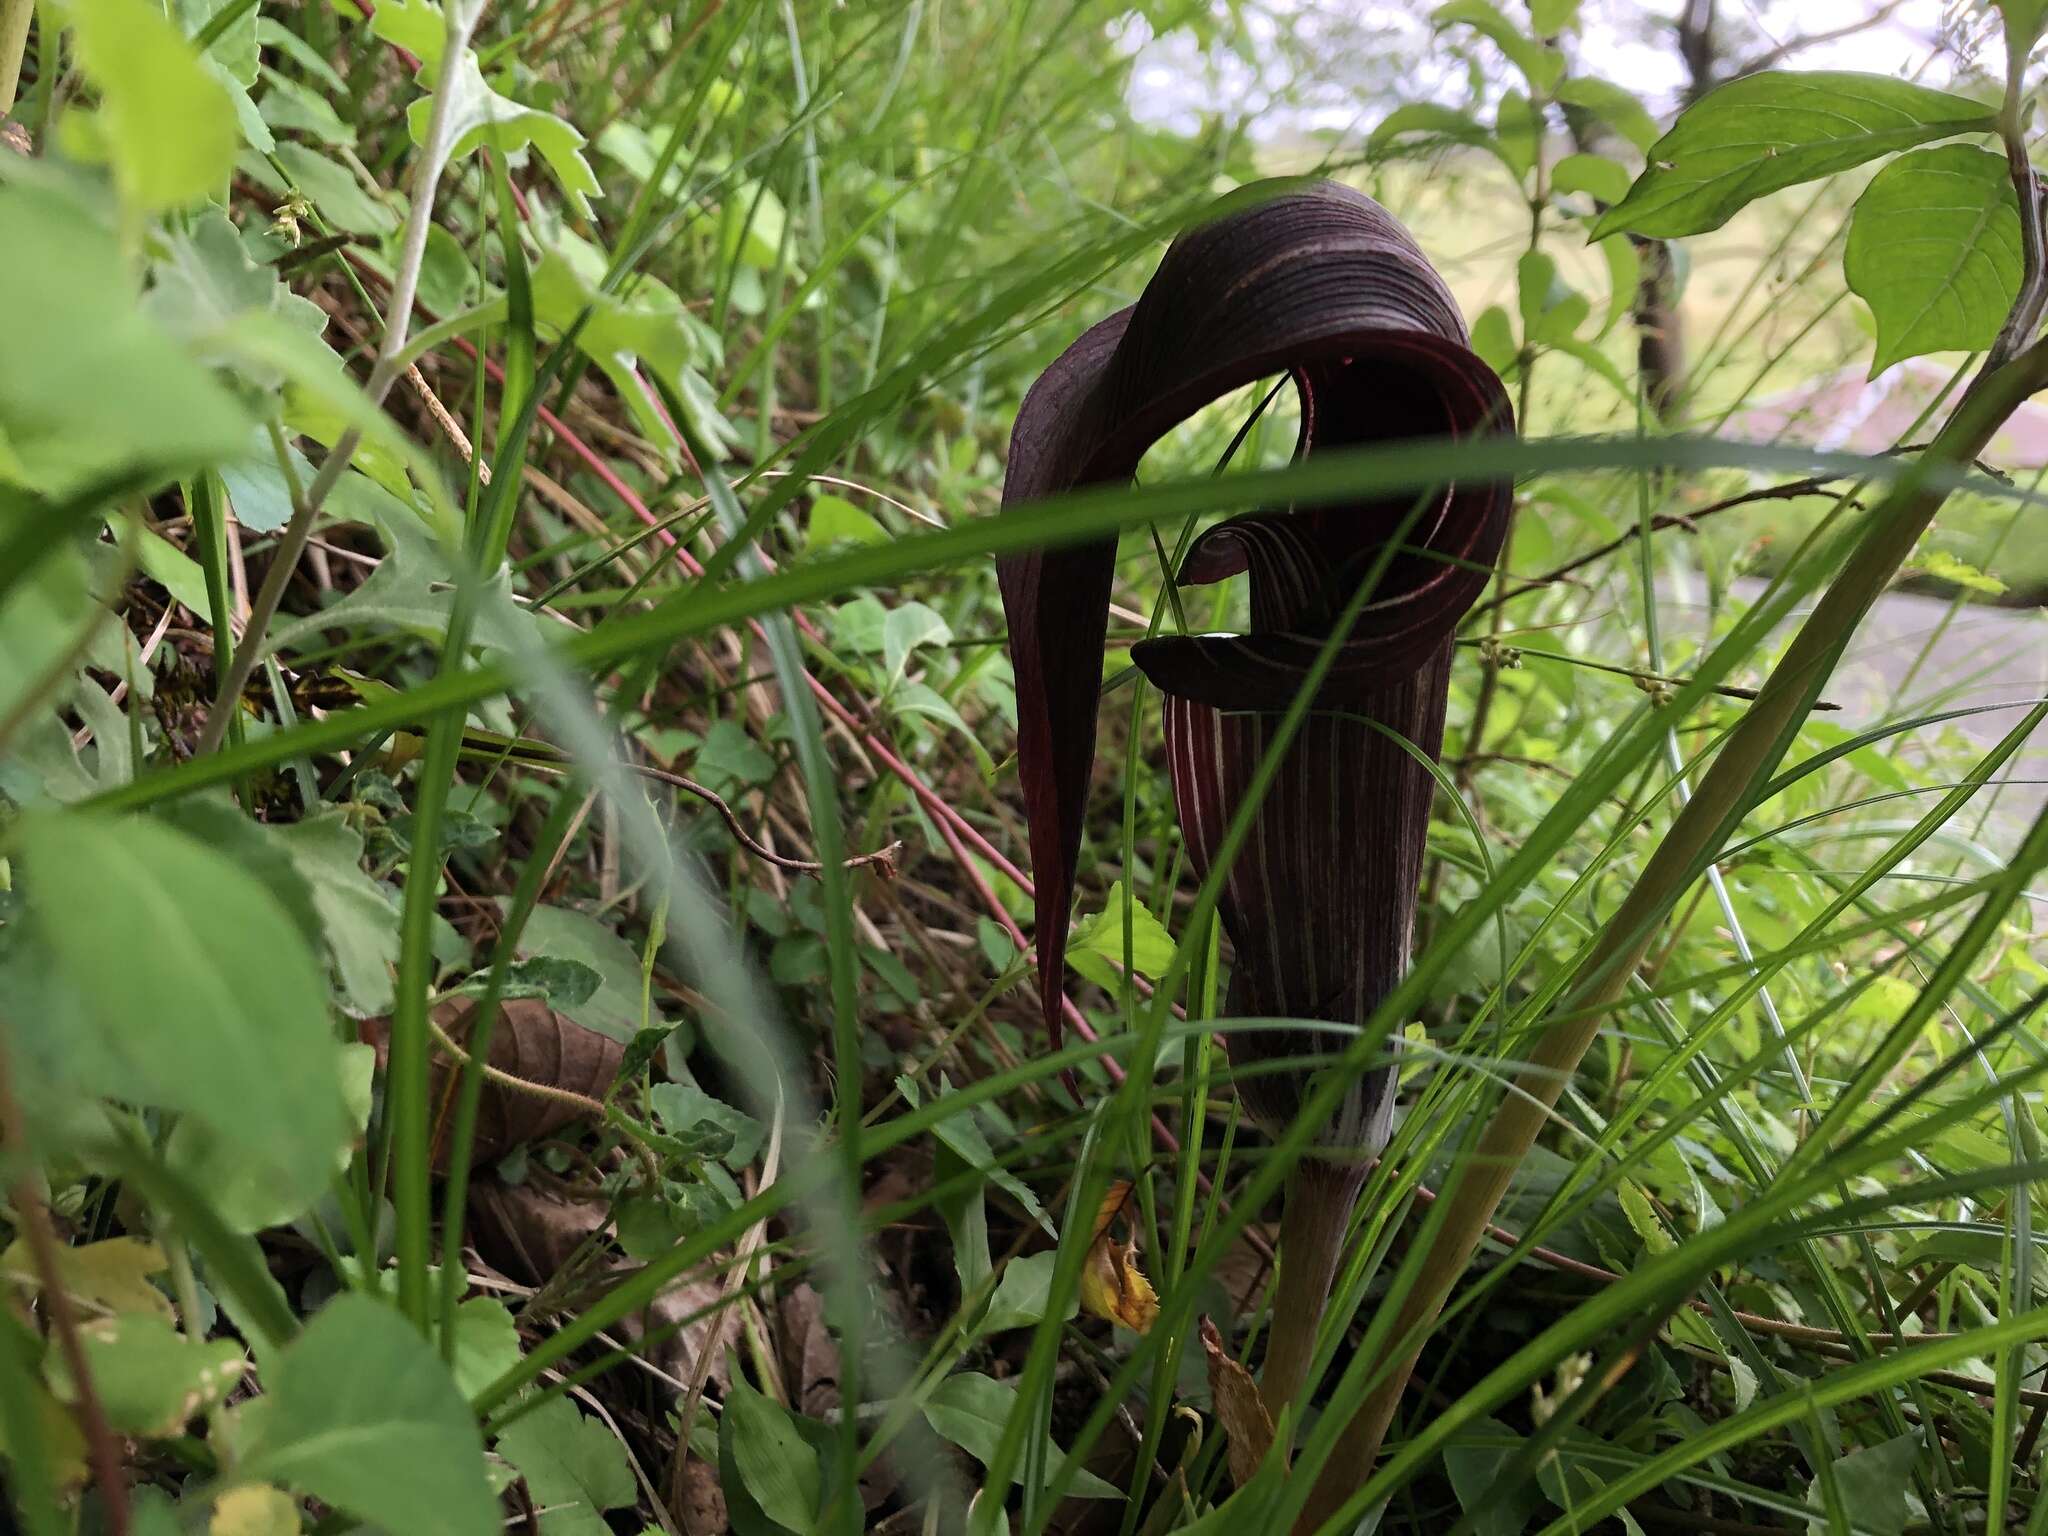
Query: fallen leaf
[[532, 1042], [1112, 1285], [1247, 1426]]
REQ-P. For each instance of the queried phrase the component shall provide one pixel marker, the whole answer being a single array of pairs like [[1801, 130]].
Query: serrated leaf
[[574, 1468], [1943, 566], [165, 121], [1101, 938], [479, 118], [217, 1009], [1759, 134], [360, 1412], [1934, 250], [111, 1275]]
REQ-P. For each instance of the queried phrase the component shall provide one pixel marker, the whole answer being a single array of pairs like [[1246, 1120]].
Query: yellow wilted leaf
[[258, 1510], [1112, 1285], [110, 1276]]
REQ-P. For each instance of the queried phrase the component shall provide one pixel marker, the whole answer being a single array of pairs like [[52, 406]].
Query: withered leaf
[[1239, 1407], [1112, 1285]]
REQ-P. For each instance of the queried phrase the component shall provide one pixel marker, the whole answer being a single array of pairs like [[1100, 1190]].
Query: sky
[[1371, 53]]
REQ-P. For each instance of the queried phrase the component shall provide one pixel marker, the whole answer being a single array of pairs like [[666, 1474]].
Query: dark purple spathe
[[1321, 283]]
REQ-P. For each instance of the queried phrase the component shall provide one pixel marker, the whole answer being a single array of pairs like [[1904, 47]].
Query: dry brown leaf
[[1247, 1427], [703, 1511], [533, 1043], [1112, 1285]]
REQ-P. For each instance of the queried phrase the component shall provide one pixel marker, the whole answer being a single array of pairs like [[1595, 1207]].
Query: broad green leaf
[[835, 520], [361, 1413], [1550, 17], [1873, 1483], [1101, 938], [417, 26], [1493, 338], [971, 1411], [41, 623], [150, 1378], [1541, 65], [479, 118], [205, 281], [574, 1468], [358, 919], [236, 50], [1518, 129], [778, 1466], [1617, 108], [1595, 175], [165, 122], [614, 1008], [1624, 277], [217, 1008], [2023, 22], [89, 384], [909, 626], [1472, 1470], [486, 1343], [1552, 311], [1934, 250], [333, 189], [729, 757], [1427, 118], [252, 1194], [1022, 1293], [1756, 135]]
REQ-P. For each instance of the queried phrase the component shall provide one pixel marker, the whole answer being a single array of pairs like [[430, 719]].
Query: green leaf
[[40, 623], [216, 1008], [1022, 1293], [165, 121], [1873, 1482], [1101, 938], [357, 916], [1425, 117], [1756, 135], [729, 757], [1943, 566], [1493, 338], [971, 1411], [235, 50], [1934, 250], [835, 520], [574, 1468], [360, 1412], [1518, 128], [1541, 65], [1624, 277], [205, 282], [151, 1379], [1595, 175], [564, 984], [1617, 108], [908, 627], [90, 384], [486, 1344], [778, 1466], [1550, 17], [479, 118], [1552, 311], [1472, 1470], [2023, 22], [566, 934]]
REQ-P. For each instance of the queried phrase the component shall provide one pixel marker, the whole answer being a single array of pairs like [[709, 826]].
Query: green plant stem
[[1313, 1223], [14, 20], [1725, 794]]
